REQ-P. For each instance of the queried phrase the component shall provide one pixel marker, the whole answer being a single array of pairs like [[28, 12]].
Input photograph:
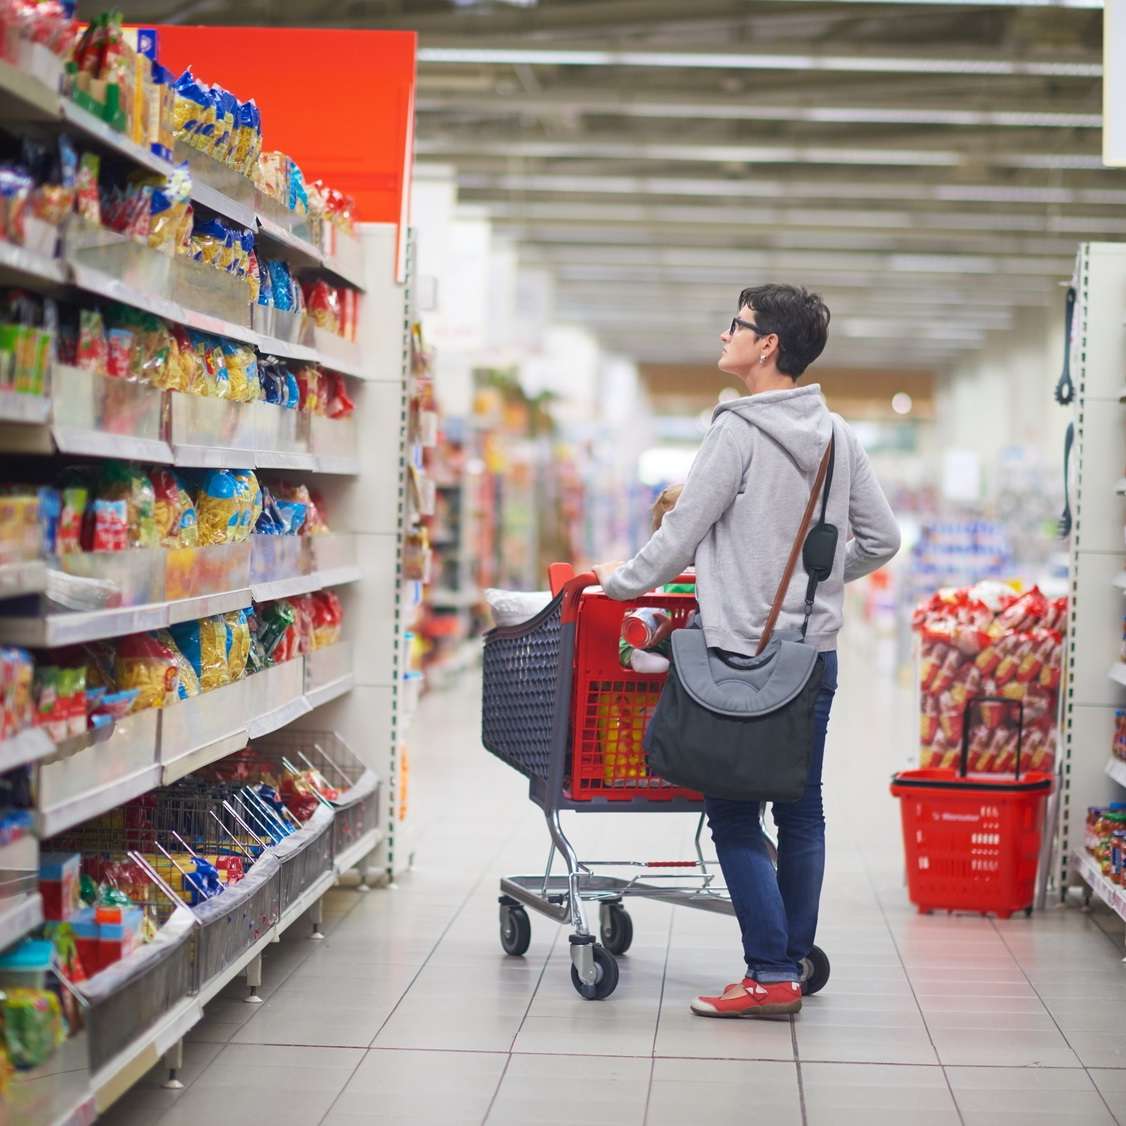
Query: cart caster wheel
[[515, 930], [814, 972], [1028, 912], [606, 981], [616, 928]]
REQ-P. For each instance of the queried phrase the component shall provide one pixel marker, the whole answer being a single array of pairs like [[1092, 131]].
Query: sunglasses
[[738, 323]]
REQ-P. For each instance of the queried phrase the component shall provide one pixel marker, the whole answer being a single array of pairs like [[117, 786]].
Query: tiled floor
[[408, 1013]]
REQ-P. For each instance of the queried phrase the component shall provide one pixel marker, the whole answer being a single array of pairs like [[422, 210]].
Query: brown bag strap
[[795, 551]]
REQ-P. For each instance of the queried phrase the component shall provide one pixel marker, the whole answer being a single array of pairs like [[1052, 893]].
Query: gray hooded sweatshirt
[[740, 511]]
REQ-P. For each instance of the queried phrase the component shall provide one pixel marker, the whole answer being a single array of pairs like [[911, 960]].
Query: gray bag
[[742, 727]]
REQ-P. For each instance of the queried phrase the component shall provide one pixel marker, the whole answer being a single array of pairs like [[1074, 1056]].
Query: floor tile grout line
[[188, 1086], [496, 1089], [657, 1023], [797, 1067], [910, 984], [466, 899], [1047, 1009]]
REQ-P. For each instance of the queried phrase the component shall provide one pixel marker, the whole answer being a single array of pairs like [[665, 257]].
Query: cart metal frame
[[526, 722]]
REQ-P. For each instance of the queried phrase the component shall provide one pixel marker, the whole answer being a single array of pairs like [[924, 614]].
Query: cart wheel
[[617, 928], [606, 981], [1028, 912], [814, 972], [515, 930]]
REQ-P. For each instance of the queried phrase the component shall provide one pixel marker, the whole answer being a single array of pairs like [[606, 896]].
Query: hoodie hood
[[798, 421]]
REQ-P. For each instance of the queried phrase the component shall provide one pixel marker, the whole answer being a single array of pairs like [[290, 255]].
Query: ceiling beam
[[727, 153], [802, 187], [671, 105], [807, 62], [663, 216]]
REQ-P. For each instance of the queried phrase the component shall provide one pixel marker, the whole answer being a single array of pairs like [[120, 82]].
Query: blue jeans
[[777, 910]]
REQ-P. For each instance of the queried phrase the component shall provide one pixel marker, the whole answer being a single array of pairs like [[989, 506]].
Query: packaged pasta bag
[[250, 501], [219, 508], [303, 612], [121, 482], [204, 643], [242, 371], [191, 375], [91, 354], [146, 664], [309, 383], [187, 684], [328, 618], [238, 643], [256, 658], [216, 378], [174, 511], [274, 620], [314, 522], [193, 114]]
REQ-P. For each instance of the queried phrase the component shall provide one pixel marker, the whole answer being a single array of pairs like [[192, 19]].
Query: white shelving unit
[[1094, 687], [352, 688]]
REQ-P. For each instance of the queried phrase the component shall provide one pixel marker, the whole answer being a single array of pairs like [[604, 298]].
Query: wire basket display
[[305, 854], [355, 805]]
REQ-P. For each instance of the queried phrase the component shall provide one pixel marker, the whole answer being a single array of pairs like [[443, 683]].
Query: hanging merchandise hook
[[1065, 389], [1064, 529]]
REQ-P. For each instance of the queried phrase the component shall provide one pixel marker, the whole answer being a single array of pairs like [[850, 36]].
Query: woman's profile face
[[742, 346]]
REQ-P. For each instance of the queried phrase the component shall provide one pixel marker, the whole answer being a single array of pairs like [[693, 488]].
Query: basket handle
[[963, 766]]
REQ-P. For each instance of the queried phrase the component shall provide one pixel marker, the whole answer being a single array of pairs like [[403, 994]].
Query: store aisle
[[409, 1013]]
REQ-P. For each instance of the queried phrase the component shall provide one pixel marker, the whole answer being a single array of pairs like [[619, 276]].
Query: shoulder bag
[[741, 727]]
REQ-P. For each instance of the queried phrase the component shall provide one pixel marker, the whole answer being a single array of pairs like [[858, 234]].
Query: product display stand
[[1093, 685], [341, 702]]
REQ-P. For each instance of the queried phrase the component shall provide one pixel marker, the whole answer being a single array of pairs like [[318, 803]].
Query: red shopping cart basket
[[972, 842]]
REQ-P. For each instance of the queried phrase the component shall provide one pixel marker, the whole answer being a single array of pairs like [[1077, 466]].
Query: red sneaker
[[750, 998]]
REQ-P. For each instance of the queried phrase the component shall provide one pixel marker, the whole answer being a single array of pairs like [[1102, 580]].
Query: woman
[[736, 519]]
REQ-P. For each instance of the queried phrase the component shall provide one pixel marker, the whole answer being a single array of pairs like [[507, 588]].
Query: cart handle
[[564, 581]]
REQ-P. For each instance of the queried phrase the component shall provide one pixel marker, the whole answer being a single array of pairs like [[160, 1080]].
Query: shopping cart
[[558, 707]]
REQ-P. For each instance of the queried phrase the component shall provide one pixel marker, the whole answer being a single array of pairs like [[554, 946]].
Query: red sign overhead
[[340, 102]]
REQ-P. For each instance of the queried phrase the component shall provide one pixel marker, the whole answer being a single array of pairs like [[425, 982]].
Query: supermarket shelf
[[58, 1093], [55, 630], [285, 459], [27, 266], [306, 900], [337, 463], [298, 251], [188, 762], [214, 200], [113, 1079], [51, 631], [94, 129], [323, 693], [278, 717], [1118, 673], [28, 576], [356, 851], [304, 584], [204, 605], [67, 814], [28, 746], [1112, 895], [15, 407], [1119, 581], [102, 443], [1116, 769], [17, 916], [36, 100]]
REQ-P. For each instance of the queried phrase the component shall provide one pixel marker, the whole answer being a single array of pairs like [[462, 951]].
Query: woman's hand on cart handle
[[603, 571]]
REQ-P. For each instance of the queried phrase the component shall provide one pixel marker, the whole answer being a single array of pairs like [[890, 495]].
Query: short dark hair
[[800, 320]]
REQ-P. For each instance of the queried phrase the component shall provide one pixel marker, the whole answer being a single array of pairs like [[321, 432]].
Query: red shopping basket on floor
[[972, 842]]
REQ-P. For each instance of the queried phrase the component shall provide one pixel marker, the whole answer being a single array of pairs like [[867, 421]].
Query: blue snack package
[[281, 283]]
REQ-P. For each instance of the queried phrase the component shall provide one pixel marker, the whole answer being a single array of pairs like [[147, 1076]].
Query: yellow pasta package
[[238, 643], [144, 663]]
